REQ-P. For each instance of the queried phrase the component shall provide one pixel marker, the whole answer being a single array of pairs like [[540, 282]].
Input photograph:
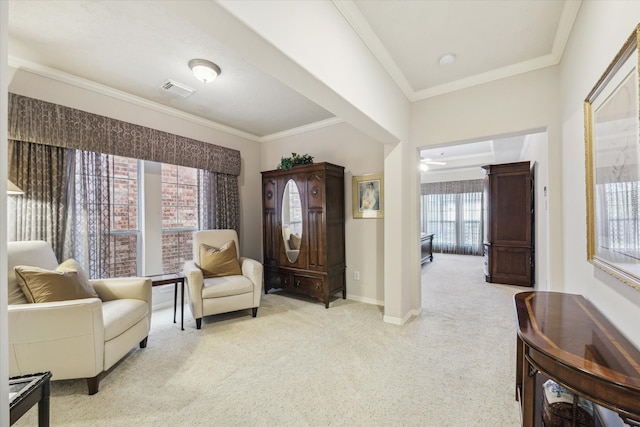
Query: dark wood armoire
[[303, 230], [509, 224]]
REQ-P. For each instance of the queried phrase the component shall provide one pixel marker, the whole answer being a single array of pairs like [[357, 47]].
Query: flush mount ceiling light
[[447, 58], [205, 71]]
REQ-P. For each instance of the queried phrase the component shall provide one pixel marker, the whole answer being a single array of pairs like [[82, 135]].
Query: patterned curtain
[[42, 172], [220, 200], [33, 120], [89, 242], [452, 211], [66, 130]]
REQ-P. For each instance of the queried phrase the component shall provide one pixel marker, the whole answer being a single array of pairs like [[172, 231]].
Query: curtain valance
[[452, 187], [33, 120]]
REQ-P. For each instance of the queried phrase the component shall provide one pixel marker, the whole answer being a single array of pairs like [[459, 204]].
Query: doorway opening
[[450, 204]]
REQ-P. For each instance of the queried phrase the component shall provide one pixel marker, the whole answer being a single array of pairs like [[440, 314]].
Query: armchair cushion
[[119, 315], [219, 262], [217, 287], [41, 285]]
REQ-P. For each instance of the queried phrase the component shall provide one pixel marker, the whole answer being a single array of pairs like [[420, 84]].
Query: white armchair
[[79, 338], [217, 295]]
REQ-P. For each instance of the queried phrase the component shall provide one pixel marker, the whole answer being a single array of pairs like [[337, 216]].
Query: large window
[[125, 233], [179, 214], [452, 211]]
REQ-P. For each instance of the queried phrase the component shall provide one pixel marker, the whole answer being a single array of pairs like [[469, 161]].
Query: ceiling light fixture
[[447, 58], [205, 71]]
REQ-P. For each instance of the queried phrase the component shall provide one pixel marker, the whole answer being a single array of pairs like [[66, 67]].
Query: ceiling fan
[[432, 162], [424, 164]]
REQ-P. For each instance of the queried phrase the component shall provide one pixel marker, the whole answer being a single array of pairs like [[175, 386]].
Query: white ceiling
[[472, 155], [135, 46]]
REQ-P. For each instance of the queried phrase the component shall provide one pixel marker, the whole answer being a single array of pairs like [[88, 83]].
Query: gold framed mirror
[[612, 144]]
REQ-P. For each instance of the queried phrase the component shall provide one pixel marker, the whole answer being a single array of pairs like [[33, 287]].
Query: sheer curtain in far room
[[452, 211]]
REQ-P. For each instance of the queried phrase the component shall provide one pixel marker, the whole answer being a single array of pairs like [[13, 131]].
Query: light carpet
[[299, 364]]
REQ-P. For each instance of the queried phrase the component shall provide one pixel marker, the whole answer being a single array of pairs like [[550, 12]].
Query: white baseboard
[[365, 300]]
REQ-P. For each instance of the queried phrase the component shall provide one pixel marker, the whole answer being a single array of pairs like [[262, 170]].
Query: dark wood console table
[[564, 337]]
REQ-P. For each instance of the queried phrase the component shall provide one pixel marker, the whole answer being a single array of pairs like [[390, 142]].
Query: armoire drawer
[[311, 285]]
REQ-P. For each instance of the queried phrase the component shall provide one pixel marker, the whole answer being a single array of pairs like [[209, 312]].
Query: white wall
[[50, 90], [509, 106], [600, 30], [344, 145], [4, 330], [535, 151]]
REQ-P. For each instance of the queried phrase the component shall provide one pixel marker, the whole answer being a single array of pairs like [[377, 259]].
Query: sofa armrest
[[124, 287], [254, 271], [42, 336]]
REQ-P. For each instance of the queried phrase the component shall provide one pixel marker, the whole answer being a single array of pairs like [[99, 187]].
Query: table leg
[[43, 405], [175, 300], [182, 306], [528, 394]]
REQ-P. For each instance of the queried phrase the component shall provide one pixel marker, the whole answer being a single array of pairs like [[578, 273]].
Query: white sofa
[[79, 338], [217, 295]]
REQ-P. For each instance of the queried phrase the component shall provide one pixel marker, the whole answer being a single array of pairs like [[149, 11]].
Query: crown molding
[[101, 89], [360, 25], [567, 19], [490, 76], [352, 14], [302, 129]]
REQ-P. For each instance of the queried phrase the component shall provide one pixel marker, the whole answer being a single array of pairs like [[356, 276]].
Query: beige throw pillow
[[295, 241], [219, 262], [67, 282]]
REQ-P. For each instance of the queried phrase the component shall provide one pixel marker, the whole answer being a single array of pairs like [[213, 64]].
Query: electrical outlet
[[356, 275]]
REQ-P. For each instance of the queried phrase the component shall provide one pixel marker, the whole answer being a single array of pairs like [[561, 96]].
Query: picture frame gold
[[612, 148], [368, 196]]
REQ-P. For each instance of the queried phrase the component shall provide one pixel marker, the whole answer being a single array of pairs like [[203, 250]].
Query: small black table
[[175, 278], [27, 390]]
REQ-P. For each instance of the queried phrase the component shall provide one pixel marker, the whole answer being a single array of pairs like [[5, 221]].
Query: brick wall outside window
[[179, 215], [124, 218], [176, 249]]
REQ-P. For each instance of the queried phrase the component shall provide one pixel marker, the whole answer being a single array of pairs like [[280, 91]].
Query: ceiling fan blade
[[432, 162]]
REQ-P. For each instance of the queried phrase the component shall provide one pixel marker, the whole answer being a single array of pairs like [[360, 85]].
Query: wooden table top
[[572, 331]]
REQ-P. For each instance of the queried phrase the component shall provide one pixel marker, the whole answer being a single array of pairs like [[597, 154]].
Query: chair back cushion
[[40, 285], [35, 253], [215, 238], [219, 262]]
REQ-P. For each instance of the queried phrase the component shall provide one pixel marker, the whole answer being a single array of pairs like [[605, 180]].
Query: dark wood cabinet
[[509, 223], [303, 230]]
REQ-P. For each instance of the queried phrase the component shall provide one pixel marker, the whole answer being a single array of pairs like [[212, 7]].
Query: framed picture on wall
[[612, 129], [368, 196]]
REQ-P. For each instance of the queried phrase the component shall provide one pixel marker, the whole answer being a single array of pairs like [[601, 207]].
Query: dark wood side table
[[27, 390], [176, 279], [564, 337]]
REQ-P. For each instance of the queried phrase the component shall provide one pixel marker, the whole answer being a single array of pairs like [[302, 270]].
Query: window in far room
[[452, 211]]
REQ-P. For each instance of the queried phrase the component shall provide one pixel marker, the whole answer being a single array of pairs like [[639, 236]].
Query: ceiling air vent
[[177, 88]]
